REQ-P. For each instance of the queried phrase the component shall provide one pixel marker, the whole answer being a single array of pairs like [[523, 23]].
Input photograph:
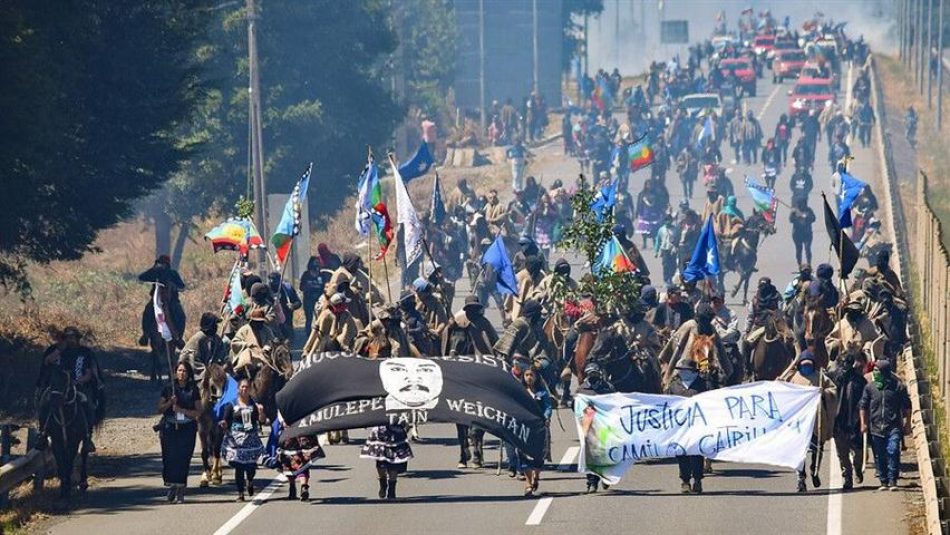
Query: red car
[[810, 94], [787, 64], [744, 71]]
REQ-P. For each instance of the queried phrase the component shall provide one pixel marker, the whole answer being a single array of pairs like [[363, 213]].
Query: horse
[[175, 318], [209, 432], [272, 375], [743, 255], [773, 351], [64, 420], [817, 324], [628, 367]]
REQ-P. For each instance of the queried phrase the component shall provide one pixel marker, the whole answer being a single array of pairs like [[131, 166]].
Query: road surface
[[435, 497]]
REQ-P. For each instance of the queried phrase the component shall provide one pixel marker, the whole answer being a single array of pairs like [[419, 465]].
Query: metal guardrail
[[931, 465], [34, 464]]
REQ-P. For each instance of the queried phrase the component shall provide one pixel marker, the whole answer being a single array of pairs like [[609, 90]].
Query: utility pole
[[930, 72], [254, 116], [921, 54], [900, 29], [481, 64], [940, 67], [617, 36], [534, 42]]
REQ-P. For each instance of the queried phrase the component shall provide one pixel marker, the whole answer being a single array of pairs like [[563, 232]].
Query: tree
[[571, 40], [93, 93], [324, 99], [612, 292], [428, 37]]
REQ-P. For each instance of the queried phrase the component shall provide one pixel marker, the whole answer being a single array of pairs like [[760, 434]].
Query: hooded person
[[444, 289], [885, 415], [716, 369], [528, 280], [335, 328], [882, 269], [415, 324], [554, 286], [525, 335], [469, 332], [204, 347], [384, 338], [805, 372], [848, 376], [430, 306], [352, 267], [162, 273], [287, 300], [854, 331], [595, 384], [252, 342]]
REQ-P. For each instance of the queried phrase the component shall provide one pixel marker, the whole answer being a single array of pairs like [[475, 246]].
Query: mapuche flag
[[369, 194], [383, 226], [640, 153], [613, 259], [763, 199], [289, 226]]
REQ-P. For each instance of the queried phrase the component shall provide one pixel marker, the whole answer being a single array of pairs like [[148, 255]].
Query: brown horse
[[818, 323], [272, 375], [211, 434], [774, 350]]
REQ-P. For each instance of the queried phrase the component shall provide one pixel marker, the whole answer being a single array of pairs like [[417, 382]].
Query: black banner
[[335, 391]]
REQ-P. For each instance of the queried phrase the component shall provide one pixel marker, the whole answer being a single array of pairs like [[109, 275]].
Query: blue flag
[[705, 260], [229, 395], [850, 189], [497, 257], [438, 206], [418, 165], [605, 200]]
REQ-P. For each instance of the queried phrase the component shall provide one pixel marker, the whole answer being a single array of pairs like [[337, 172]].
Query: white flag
[[163, 328], [406, 213]]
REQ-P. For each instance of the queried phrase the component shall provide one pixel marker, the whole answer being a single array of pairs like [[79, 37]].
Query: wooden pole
[[940, 66]]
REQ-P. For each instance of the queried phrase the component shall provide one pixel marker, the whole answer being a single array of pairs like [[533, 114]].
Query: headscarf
[[731, 209]]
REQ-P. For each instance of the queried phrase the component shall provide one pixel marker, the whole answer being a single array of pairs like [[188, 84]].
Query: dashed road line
[[540, 508], [768, 102], [248, 509], [835, 498]]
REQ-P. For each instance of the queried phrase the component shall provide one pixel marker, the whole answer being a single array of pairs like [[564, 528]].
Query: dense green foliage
[[92, 94], [428, 37], [612, 292]]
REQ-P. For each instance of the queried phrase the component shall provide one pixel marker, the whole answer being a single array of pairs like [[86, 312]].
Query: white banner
[[411, 226], [766, 422], [160, 322]]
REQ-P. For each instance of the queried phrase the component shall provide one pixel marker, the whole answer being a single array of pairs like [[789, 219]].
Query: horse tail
[[100, 414]]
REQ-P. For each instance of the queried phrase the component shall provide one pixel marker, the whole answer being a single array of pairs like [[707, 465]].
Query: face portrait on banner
[[411, 383]]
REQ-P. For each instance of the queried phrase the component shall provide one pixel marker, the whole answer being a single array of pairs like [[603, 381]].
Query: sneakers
[[697, 487], [462, 464], [685, 488], [884, 486], [893, 487]]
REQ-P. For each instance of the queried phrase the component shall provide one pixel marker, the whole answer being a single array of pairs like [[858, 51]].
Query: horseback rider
[[252, 341], [262, 299], [715, 368], [795, 287], [384, 337], [70, 356], [287, 300], [552, 289], [204, 347], [726, 323], [415, 324], [669, 315], [525, 335], [806, 373], [766, 302], [442, 287], [429, 304], [853, 332], [882, 269], [335, 328], [528, 280], [162, 273]]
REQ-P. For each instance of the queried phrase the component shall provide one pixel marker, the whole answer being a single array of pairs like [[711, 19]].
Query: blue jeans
[[887, 455]]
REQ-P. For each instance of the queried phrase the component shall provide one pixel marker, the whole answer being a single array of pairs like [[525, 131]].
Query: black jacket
[[851, 384], [677, 388], [885, 407]]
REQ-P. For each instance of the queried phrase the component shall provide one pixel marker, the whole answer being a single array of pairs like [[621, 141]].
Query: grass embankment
[[933, 147]]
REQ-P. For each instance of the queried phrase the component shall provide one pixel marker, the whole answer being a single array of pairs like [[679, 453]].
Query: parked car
[[763, 46]]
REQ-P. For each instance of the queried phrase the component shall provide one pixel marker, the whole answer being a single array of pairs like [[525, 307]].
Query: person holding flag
[[704, 264]]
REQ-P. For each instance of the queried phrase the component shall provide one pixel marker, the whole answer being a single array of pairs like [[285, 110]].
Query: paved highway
[[435, 497]]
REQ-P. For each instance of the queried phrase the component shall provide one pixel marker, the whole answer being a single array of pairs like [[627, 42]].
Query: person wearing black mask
[[528, 280], [848, 376], [885, 414], [312, 283], [525, 335], [287, 299], [851, 333], [204, 347], [882, 269], [718, 368]]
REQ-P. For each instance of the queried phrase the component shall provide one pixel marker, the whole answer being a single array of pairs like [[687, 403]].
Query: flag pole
[[389, 292]]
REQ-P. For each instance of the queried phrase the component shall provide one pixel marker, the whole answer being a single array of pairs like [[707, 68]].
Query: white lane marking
[[540, 508], [538, 514], [768, 102], [568, 458], [246, 511], [835, 497]]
